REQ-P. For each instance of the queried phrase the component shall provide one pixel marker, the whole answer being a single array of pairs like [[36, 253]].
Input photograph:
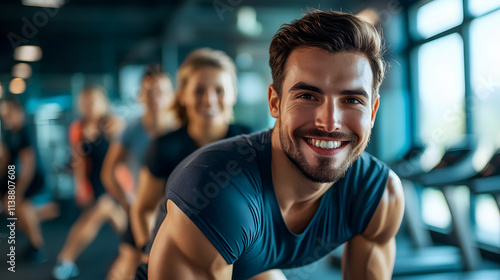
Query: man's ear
[[274, 102], [376, 104]]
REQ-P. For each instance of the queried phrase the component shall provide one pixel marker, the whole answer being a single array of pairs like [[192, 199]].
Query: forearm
[[114, 189], [114, 156], [139, 218], [150, 191], [80, 178], [79, 167]]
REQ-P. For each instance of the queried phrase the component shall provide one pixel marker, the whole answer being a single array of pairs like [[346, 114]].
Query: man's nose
[[329, 116]]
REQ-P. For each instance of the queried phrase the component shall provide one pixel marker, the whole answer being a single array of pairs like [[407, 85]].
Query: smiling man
[[244, 207]]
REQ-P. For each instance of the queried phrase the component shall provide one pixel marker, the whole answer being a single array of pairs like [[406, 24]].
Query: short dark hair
[[154, 70], [332, 31]]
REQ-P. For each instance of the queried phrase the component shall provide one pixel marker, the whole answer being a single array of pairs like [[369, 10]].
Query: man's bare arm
[[181, 251], [150, 191], [115, 154], [371, 254]]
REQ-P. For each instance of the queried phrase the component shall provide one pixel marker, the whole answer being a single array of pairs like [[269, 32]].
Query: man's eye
[[307, 96], [353, 100]]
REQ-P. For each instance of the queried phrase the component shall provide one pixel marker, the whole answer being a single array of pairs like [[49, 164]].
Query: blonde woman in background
[[205, 96]]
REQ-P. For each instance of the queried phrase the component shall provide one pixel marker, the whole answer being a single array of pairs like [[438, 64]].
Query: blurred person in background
[[19, 155], [89, 139], [204, 100], [156, 95]]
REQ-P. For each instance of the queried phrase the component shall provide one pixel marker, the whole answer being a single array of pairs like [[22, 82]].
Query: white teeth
[[330, 145], [324, 144]]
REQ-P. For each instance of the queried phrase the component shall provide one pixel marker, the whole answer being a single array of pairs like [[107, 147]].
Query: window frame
[[411, 56]]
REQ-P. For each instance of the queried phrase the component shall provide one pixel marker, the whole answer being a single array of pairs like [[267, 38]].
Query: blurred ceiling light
[[44, 3], [21, 70], [17, 86], [369, 15], [28, 53], [247, 22]]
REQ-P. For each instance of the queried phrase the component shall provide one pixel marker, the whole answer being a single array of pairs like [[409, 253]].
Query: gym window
[[454, 57]]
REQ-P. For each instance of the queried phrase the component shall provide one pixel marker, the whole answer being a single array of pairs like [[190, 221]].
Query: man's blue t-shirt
[[226, 189]]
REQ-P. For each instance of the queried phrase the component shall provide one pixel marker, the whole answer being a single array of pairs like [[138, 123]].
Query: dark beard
[[323, 173]]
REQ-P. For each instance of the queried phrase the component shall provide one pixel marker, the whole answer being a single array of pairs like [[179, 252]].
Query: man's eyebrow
[[356, 92], [307, 87], [303, 86]]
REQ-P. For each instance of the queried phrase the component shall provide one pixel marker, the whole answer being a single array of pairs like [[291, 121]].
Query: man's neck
[[293, 190], [156, 123]]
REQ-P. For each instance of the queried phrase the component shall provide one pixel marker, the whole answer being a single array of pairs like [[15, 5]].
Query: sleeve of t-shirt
[[206, 192], [369, 190], [153, 159], [75, 133]]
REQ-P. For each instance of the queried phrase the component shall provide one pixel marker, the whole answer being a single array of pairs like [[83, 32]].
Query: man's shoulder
[[387, 218], [371, 159], [245, 148], [369, 165], [237, 129], [237, 161], [365, 184]]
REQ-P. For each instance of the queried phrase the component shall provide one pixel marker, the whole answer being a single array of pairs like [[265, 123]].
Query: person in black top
[[89, 138], [204, 103], [18, 154]]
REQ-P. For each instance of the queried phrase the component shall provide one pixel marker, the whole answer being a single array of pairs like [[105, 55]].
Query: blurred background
[[443, 83]]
